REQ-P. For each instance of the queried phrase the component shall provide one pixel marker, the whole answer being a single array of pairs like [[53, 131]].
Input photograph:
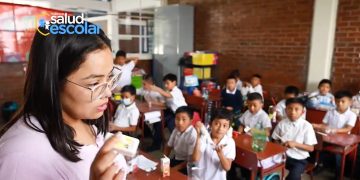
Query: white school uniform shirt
[[126, 116], [356, 102], [177, 99], [126, 70], [151, 96], [281, 109], [322, 101], [250, 89], [209, 163], [183, 143], [250, 120], [300, 131], [336, 120], [239, 85]]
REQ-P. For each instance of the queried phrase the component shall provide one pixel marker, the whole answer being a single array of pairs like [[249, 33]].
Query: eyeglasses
[[98, 90]]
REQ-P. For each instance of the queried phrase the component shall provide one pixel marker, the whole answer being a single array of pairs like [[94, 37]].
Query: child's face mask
[[127, 101]]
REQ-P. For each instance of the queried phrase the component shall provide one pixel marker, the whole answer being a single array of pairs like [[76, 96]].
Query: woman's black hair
[[53, 58]]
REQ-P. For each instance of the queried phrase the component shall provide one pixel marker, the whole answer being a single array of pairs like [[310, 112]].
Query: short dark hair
[[231, 77], [185, 109], [295, 101], [343, 93], [235, 73], [171, 77], [222, 113], [292, 90], [325, 81], [257, 76], [121, 53], [130, 89], [148, 77], [254, 96]]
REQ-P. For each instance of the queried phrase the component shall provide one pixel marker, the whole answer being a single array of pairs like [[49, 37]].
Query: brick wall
[[255, 36], [346, 62]]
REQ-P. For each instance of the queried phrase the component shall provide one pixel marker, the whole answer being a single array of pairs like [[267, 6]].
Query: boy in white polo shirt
[[182, 139], [174, 99], [290, 92], [253, 86], [255, 116], [322, 99], [149, 95], [214, 153], [127, 114], [298, 135], [341, 119], [126, 67]]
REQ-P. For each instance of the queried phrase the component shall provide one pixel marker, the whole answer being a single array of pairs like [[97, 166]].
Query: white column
[[322, 42]]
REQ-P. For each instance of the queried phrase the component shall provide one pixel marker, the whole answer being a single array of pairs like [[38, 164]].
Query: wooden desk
[[156, 174], [247, 158], [342, 144], [143, 107]]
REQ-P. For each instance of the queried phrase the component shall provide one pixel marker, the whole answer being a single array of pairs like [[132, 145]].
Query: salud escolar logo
[[66, 24]]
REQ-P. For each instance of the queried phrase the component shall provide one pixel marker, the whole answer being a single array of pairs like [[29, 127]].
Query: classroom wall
[[267, 37], [12, 78], [346, 61]]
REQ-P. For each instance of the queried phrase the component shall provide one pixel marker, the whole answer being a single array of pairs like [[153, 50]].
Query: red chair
[[314, 157], [198, 103], [315, 116]]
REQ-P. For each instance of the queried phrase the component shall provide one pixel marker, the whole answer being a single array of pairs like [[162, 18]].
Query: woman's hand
[[103, 166]]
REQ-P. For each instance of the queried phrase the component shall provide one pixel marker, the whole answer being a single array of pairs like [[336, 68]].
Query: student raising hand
[[103, 166]]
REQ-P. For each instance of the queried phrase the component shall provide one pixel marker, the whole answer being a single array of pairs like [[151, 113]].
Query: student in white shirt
[[127, 114], [253, 86], [355, 107], [255, 115], [149, 95], [236, 74], [174, 99], [182, 139], [290, 92], [298, 135], [341, 119], [322, 99], [126, 67], [214, 153]]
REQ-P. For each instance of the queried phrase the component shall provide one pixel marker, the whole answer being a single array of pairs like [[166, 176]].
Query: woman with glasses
[[61, 127]]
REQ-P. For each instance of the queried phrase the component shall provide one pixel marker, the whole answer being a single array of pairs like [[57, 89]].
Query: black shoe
[[318, 169], [153, 148]]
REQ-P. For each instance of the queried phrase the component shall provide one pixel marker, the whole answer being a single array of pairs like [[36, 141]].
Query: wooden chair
[[356, 128], [315, 115], [215, 95], [314, 157], [249, 160], [267, 100], [198, 103]]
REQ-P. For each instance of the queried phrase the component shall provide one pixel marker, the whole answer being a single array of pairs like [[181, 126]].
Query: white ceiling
[[92, 5]]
